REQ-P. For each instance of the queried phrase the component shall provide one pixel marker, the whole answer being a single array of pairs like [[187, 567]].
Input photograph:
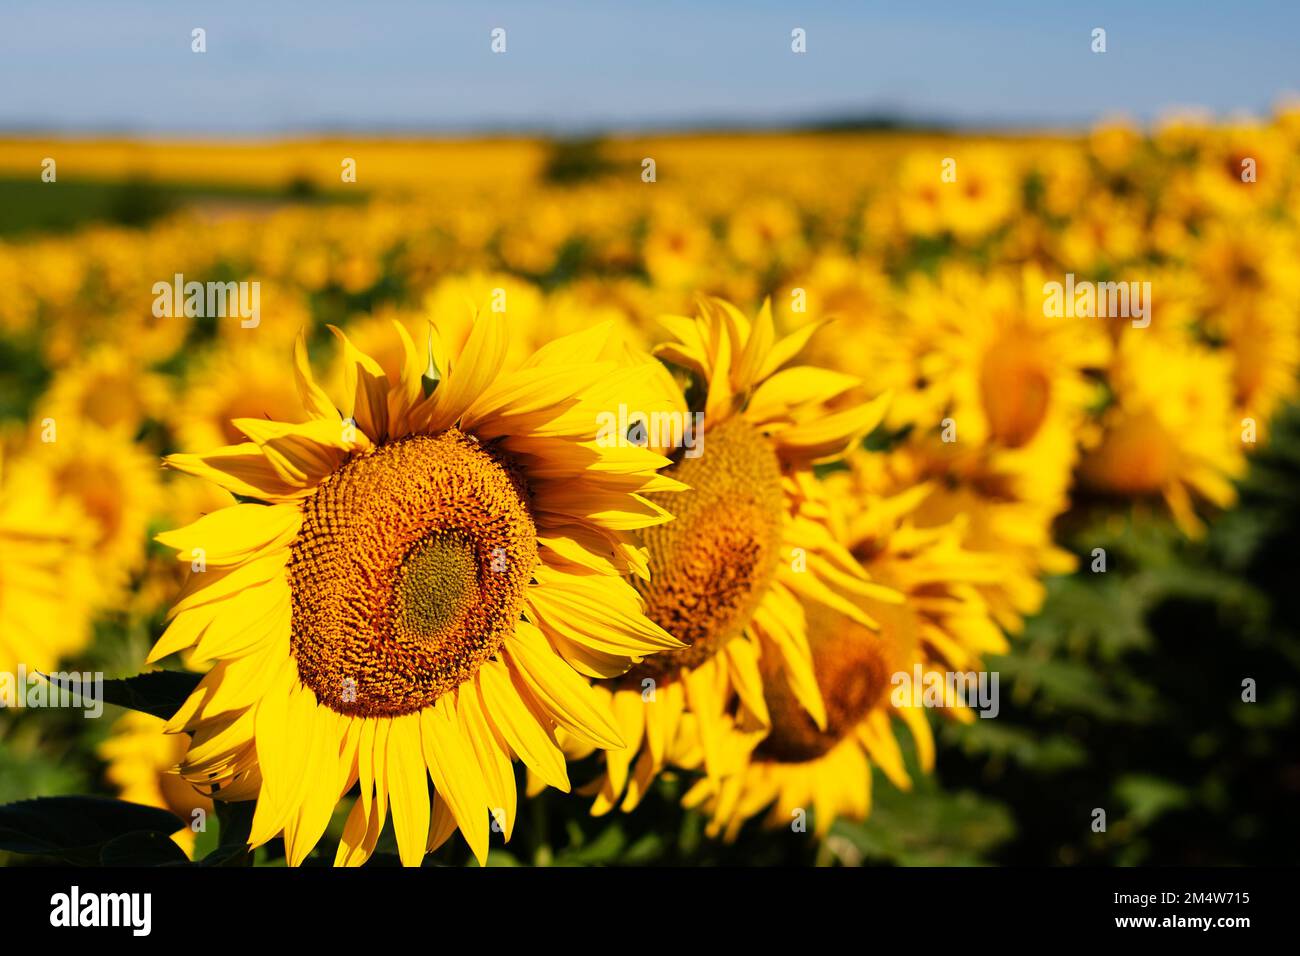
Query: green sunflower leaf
[[159, 693], [78, 829], [146, 848]]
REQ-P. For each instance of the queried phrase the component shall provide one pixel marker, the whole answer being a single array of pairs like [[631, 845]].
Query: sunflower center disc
[[1016, 391], [710, 566], [408, 573], [850, 664]]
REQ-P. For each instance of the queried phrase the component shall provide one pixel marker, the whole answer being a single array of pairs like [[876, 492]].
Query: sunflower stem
[[542, 854]]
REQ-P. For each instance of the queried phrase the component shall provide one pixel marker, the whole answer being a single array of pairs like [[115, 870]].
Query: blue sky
[[294, 66]]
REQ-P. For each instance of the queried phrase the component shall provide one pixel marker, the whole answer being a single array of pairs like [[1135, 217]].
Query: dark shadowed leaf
[[149, 848], [76, 828], [159, 693]]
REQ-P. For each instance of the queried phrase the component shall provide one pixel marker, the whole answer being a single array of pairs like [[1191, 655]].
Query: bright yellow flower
[[1172, 432], [678, 246], [244, 379], [942, 624], [748, 551], [113, 482], [44, 569], [413, 589], [108, 389], [968, 194]]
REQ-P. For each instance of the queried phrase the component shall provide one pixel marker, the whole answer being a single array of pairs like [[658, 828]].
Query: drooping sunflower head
[[712, 566], [941, 623], [417, 582], [1172, 432], [803, 765], [852, 664], [729, 576]]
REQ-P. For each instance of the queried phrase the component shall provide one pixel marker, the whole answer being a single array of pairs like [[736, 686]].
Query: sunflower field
[[844, 498]]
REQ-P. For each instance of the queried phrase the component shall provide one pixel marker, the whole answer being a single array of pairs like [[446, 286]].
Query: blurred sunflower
[[114, 484], [1242, 168], [677, 247], [1107, 232], [1006, 393], [748, 549], [1171, 432], [143, 765], [237, 380], [108, 388], [1245, 263], [45, 570], [766, 231], [989, 358], [1263, 341], [1115, 144], [412, 587], [968, 195]]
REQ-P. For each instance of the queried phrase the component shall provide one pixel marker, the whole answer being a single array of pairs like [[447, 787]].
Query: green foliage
[[159, 693], [575, 160], [84, 830], [32, 206]]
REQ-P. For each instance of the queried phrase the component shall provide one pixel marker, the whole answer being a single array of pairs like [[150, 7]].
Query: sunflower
[[534, 318], [677, 247], [1107, 232], [1001, 399], [45, 544], [1243, 264], [113, 484], [1242, 169], [1248, 287], [1115, 144], [142, 765], [988, 357], [1172, 433], [996, 518], [765, 231], [943, 624], [108, 388], [747, 552], [236, 380], [968, 195], [944, 581], [413, 587], [800, 766], [1264, 344]]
